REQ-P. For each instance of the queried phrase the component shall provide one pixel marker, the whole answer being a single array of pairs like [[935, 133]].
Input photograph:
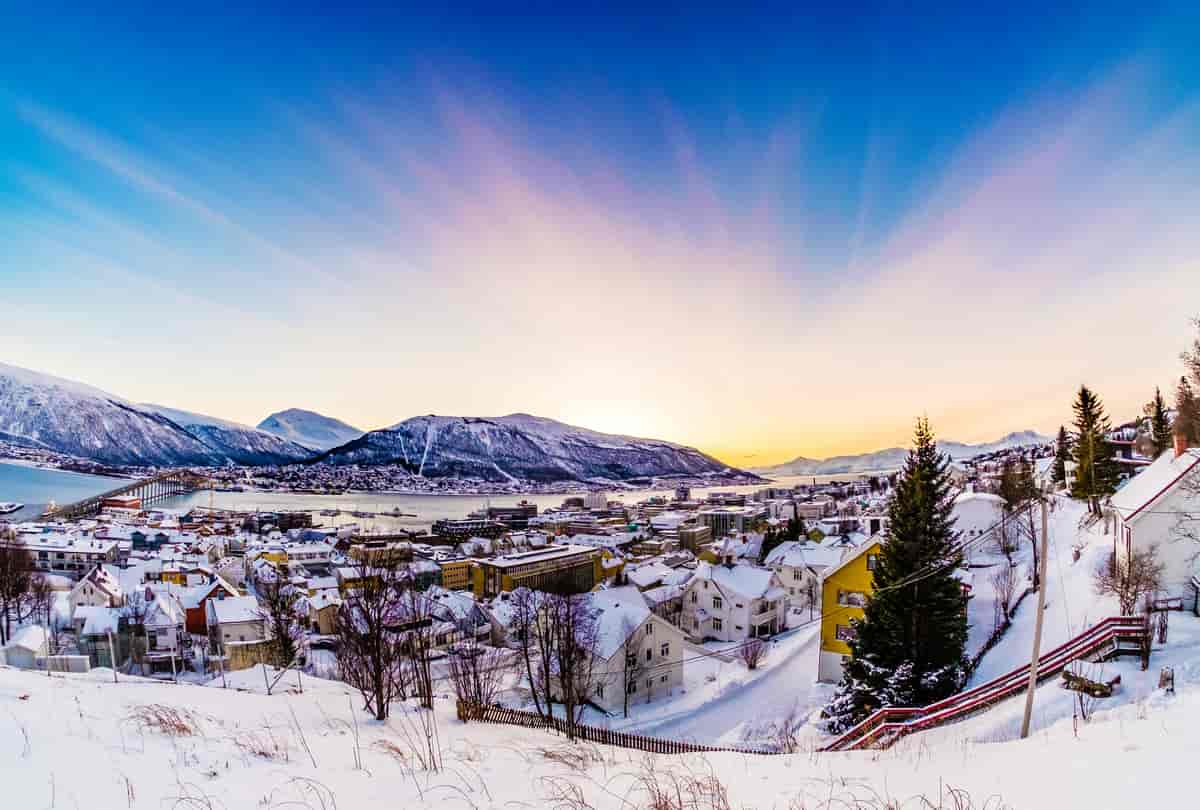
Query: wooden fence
[[594, 734]]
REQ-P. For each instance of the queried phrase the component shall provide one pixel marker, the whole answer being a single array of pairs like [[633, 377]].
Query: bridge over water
[[149, 490]]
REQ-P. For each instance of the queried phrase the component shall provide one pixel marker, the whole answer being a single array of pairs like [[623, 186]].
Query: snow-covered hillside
[[519, 446], [238, 443], [892, 458], [83, 741], [309, 429], [40, 410]]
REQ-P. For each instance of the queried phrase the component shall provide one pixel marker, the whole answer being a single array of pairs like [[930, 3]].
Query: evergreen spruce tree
[[909, 645], [1096, 473], [1160, 424], [1187, 413], [1062, 454]]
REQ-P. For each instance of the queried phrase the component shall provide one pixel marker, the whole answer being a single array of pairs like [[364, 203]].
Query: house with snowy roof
[[800, 566], [730, 601], [1161, 507], [98, 587], [637, 654]]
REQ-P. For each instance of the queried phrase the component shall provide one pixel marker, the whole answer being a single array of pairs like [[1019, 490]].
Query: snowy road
[[739, 705]]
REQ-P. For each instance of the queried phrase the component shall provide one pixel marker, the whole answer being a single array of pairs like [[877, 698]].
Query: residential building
[[1160, 507], [99, 588], [844, 591], [636, 651], [733, 602]]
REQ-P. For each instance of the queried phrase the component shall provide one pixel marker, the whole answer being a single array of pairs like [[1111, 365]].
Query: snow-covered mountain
[[309, 429], [519, 446], [892, 458], [238, 443], [40, 410]]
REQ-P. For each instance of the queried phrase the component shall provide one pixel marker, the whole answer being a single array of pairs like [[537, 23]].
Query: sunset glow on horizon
[[780, 266]]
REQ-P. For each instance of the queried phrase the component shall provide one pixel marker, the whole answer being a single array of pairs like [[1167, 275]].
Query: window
[[717, 624], [649, 654], [795, 573], [845, 633], [600, 690], [632, 687], [739, 604], [852, 599], [872, 561], [695, 597], [717, 603], [663, 679], [649, 683], [631, 659], [664, 650], [650, 628]]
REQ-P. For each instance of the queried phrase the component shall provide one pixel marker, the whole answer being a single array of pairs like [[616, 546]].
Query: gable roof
[[1153, 482], [749, 581], [862, 549], [619, 611], [233, 609]]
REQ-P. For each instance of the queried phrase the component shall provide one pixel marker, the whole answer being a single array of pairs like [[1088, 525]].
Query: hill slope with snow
[[892, 458], [309, 429], [238, 443], [519, 446], [40, 410]]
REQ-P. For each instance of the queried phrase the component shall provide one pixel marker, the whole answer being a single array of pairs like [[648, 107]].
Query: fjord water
[[35, 487]]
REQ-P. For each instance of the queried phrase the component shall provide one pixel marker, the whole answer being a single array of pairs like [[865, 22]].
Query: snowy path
[[1071, 601], [736, 705]]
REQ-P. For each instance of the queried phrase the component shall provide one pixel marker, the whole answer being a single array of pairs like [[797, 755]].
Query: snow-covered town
[[599, 406], [238, 644]]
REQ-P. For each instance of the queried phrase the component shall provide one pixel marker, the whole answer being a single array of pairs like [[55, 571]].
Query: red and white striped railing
[[887, 725]]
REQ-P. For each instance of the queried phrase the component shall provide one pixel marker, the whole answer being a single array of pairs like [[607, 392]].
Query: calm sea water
[[36, 487]]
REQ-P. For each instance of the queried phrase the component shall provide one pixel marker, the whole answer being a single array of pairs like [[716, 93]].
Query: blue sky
[[330, 193]]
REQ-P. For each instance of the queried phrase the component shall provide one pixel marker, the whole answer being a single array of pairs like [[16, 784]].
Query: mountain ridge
[[520, 446], [891, 458]]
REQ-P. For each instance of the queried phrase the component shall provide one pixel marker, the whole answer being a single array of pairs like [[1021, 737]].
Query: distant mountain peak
[[77, 419], [310, 429], [520, 446], [892, 458]]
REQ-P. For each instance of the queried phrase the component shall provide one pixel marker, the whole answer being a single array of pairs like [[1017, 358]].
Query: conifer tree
[[1160, 424], [1096, 473], [1062, 454], [1187, 413], [909, 644]]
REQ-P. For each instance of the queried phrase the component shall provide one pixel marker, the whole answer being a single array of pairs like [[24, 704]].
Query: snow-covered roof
[[749, 581], [1154, 481], [32, 637], [96, 621], [234, 609], [797, 554], [619, 611]]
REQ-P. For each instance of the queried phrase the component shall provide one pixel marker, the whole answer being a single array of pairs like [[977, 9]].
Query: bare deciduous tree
[[752, 652], [368, 654], [575, 631], [478, 673], [134, 612], [632, 669], [16, 581], [278, 601], [536, 644], [1004, 585], [1130, 579]]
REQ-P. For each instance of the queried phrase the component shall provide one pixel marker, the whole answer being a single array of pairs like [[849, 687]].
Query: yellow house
[[844, 591]]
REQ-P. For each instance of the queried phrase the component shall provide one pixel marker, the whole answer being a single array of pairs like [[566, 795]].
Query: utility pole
[[1037, 628], [112, 656]]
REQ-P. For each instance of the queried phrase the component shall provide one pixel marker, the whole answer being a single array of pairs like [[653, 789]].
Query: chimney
[[1181, 444]]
